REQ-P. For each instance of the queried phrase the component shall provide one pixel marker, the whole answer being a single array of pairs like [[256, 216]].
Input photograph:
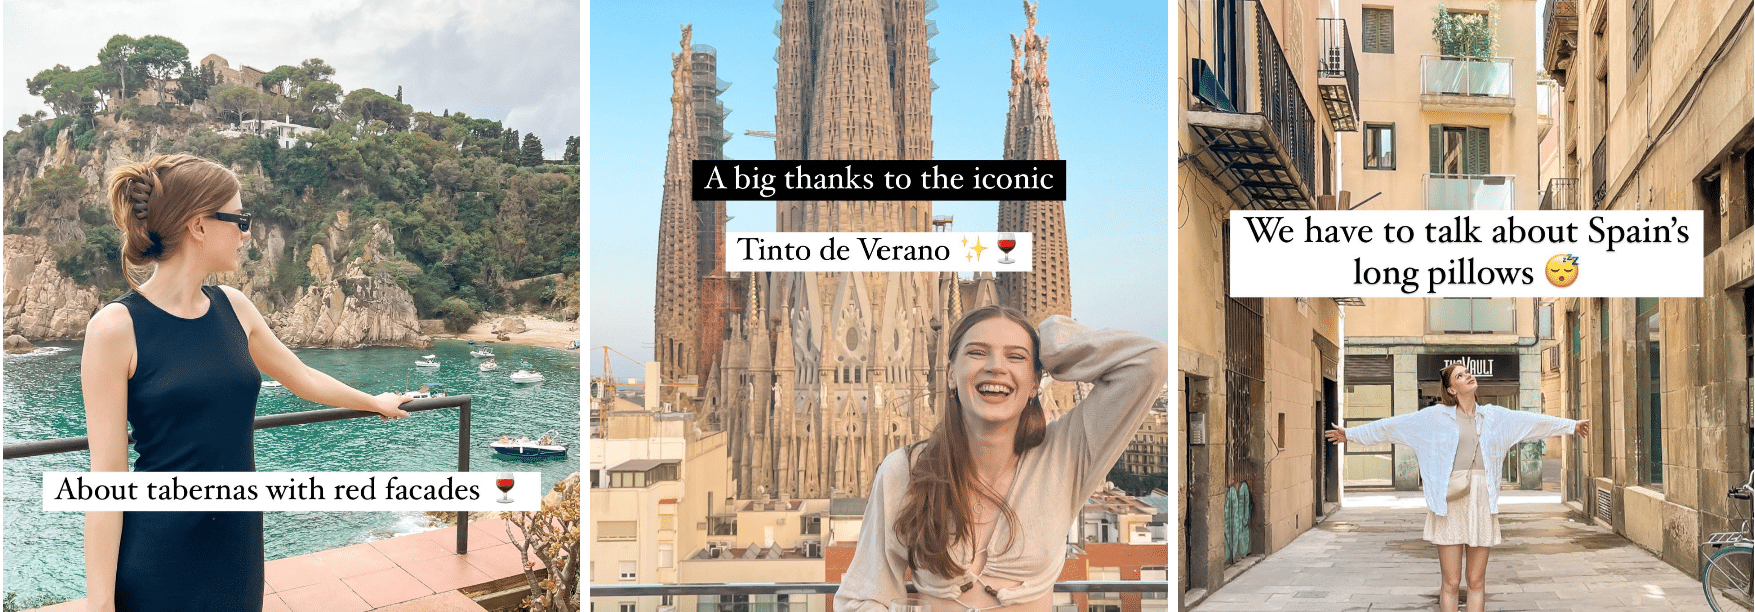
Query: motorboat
[[270, 384], [527, 376], [427, 361], [482, 352], [488, 366], [426, 391], [523, 446]]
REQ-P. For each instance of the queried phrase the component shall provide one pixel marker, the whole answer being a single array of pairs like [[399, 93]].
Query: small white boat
[[427, 361], [483, 352], [425, 391], [270, 384], [526, 376], [488, 366], [523, 446]]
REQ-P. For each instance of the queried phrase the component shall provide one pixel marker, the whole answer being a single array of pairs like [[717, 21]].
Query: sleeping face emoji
[[1562, 270]]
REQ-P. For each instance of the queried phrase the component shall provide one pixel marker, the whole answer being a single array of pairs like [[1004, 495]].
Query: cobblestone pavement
[[1369, 557]]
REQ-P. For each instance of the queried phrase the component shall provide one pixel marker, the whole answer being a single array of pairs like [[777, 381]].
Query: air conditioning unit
[[716, 550]]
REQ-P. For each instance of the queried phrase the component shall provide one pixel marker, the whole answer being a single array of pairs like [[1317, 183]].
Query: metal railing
[[1457, 76], [1282, 102], [829, 588], [1599, 171], [1337, 56], [1561, 194], [19, 450], [1471, 191]]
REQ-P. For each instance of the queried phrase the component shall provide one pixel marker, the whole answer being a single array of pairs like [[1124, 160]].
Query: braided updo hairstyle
[[153, 201]]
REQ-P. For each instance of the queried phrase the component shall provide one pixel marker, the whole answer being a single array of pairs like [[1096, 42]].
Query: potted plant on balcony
[[1468, 37]]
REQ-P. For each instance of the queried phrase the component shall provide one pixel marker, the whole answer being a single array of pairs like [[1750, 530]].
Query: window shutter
[[1478, 161], [1379, 30], [1435, 149]]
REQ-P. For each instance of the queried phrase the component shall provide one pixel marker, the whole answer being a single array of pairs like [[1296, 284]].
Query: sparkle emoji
[[1563, 270]]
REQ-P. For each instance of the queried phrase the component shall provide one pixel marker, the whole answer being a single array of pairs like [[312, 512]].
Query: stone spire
[[676, 309], [1030, 135]]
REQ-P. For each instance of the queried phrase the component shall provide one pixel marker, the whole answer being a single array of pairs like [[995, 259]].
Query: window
[[1648, 363], [1379, 31], [626, 606], [629, 571], [1545, 320], [1641, 36], [1459, 150], [613, 531], [1380, 146]]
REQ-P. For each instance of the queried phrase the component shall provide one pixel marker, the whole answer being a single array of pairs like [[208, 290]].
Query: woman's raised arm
[[1127, 371], [279, 362]]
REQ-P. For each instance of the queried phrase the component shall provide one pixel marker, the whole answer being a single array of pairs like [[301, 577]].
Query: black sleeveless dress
[[191, 403]]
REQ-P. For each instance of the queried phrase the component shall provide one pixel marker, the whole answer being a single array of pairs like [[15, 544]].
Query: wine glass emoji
[[1007, 241], [504, 481]]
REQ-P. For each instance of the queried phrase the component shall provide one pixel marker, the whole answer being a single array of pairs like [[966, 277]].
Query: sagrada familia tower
[[818, 375]]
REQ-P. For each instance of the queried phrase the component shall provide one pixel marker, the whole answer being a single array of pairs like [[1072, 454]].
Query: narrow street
[[1369, 557]]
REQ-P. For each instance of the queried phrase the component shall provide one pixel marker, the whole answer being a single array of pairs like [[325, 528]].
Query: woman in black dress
[[179, 362]]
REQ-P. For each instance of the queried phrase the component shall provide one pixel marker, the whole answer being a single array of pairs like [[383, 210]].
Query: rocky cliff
[[352, 301], [41, 303]]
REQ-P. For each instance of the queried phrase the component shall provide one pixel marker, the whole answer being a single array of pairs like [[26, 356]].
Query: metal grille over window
[[1641, 38]]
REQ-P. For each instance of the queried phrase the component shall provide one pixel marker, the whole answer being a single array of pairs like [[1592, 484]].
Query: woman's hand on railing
[[389, 405]]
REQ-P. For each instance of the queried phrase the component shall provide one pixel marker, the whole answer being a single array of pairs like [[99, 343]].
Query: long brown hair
[[938, 509], [1444, 395], [153, 201]]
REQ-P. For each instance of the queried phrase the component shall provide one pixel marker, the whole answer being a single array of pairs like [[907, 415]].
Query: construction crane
[[761, 133]]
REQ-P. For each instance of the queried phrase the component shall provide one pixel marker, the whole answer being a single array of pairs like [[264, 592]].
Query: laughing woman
[[979, 511], [179, 361], [1460, 446]]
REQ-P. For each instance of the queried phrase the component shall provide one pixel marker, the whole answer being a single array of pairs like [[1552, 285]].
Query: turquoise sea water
[[44, 551]]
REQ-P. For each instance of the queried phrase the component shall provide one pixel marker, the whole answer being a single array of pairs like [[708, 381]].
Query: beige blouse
[[1053, 480]]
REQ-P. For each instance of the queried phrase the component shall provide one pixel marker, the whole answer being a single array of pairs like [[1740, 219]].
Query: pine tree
[[572, 154], [531, 155]]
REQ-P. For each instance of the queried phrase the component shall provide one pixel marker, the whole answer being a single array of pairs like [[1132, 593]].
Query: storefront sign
[[1485, 367]]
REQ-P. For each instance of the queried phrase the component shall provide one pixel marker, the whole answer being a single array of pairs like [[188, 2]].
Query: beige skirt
[[1468, 520]]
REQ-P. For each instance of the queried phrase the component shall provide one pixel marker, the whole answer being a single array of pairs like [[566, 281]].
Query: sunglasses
[[242, 220]]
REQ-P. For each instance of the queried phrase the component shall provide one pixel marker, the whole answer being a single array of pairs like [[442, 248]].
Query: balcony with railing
[[1249, 113], [1457, 84], [1561, 194], [1470, 192], [1337, 75], [1560, 20]]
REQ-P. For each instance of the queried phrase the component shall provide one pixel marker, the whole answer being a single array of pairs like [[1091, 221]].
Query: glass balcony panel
[[1471, 316], [1469, 192], [1495, 316], [1459, 77], [1445, 316]]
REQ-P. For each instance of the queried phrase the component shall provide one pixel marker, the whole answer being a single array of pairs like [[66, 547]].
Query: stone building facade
[[1462, 136], [225, 76], [1262, 97], [1657, 115]]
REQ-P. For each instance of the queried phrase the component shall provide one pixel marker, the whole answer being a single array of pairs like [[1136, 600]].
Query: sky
[[1109, 86], [516, 61]]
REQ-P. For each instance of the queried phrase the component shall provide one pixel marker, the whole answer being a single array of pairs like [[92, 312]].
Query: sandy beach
[[539, 331]]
